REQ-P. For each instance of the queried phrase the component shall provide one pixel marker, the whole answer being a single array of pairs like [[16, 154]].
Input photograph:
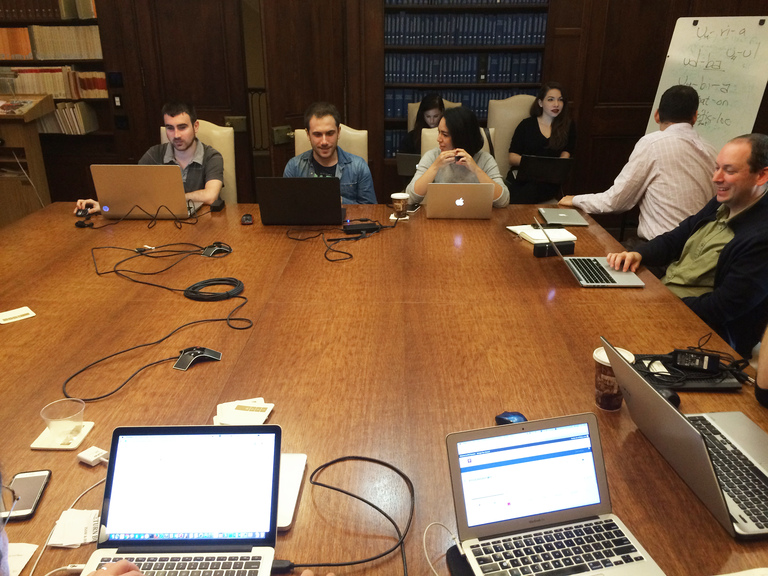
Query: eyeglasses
[[9, 503]]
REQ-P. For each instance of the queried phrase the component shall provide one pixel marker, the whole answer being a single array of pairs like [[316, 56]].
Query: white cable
[[34, 566], [30, 181], [57, 570], [424, 543]]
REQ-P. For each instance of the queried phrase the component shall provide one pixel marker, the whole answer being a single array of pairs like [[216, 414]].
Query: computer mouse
[[510, 418], [246, 219], [217, 249], [670, 396], [82, 212]]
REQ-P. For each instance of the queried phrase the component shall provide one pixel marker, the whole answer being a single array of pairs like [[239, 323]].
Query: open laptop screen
[[527, 473], [179, 487]]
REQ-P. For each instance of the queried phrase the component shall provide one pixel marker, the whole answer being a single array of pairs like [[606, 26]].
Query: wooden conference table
[[433, 327]]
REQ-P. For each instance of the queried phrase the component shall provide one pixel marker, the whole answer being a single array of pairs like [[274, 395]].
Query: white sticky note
[[13, 315]]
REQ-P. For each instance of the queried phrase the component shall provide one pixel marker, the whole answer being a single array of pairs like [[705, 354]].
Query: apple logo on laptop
[[460, 202]]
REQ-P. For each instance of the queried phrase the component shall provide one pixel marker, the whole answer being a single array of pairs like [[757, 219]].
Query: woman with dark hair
[[458, 158], [430, 111], [548, 131]]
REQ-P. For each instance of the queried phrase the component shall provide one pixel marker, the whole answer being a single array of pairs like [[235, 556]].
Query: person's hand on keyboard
[[122, 568], [629, 260]]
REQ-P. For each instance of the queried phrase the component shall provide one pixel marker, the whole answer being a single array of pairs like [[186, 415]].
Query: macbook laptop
[[299, 201], [532, 498], [544, 169], [191, 498], [463, 200], [722, 456], [407, 163], [140, 191], [594, 272], [563, 216]]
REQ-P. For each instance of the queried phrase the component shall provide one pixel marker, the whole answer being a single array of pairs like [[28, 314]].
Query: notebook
[[535, 495], [462, 200], [544, 169], [299, 201], [594, 271], [200, 496], [695, 459], [141, 191], [407, 163], [563, 216]]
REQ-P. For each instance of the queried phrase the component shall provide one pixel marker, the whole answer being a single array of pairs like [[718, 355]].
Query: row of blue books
[[464, 2], [405, 29], [517, 67]]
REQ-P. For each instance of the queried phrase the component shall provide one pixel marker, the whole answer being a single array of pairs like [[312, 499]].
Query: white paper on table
[[75, 527], [18, 556]]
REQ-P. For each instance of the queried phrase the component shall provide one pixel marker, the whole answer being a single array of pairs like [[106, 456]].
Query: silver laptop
[[140, 191], [188, 498], [563, 216], [533, 497], [704, 464], [461, 200], [594, 271]]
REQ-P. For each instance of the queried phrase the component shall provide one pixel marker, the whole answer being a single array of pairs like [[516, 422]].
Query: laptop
[[407, 163], [544, 169], [720, 455], [191, 498], [142, 191], [299, 201], [594, 271], [563, 216], [535, 495], [461, 200]]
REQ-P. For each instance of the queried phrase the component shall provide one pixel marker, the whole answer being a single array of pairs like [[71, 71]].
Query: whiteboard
[[725, 59]]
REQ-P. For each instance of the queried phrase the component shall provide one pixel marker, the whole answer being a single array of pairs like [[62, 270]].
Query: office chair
[[222, 138], [504, 116], [350, 140]]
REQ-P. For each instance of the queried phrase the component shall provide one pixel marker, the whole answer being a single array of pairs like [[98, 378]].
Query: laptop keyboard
[[166, 565], [566, 550], [592, 271], [739, 478]]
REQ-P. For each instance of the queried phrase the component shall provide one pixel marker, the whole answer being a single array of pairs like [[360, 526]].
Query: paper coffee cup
[[607, 392]]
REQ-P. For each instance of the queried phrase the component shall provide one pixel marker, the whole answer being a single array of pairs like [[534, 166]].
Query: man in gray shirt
[[202, 167]]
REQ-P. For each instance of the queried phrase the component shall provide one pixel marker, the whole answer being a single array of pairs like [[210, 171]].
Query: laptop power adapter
[[544, 250], [361, 228]]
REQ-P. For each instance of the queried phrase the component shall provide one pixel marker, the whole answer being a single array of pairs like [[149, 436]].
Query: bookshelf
[[468, 51], [54, 47]]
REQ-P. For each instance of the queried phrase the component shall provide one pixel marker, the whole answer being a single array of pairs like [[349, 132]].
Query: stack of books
[[69, 118]]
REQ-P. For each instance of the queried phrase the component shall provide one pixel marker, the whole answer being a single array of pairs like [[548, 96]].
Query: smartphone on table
[[28, 488]]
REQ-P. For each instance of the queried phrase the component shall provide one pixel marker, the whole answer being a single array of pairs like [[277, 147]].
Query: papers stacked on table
[[248, 412]]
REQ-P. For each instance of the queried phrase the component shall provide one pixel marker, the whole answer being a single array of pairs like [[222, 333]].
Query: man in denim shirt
[[327, 160]]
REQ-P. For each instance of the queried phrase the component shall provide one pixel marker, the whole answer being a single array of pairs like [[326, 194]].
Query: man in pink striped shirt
[[669, 173]]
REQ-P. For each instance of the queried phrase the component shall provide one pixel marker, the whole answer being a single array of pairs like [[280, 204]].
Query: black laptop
[[299, 201], [544, 169]]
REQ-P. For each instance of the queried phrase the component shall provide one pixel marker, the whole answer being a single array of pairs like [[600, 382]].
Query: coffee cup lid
[[600, 356], [400, 196]]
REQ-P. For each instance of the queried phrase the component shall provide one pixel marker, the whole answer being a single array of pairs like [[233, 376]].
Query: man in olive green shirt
[[719, 256]]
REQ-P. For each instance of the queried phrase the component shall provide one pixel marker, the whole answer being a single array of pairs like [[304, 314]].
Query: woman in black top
[[549, 131], [430, 111]]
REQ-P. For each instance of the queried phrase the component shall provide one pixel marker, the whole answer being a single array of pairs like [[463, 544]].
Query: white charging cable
[[424, 543]]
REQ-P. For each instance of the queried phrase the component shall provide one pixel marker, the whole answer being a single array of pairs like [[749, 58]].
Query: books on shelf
[[65, 42], [15, 44], [47, 9], [58, 81], [409, 29], [430, 68], [69, 118]]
